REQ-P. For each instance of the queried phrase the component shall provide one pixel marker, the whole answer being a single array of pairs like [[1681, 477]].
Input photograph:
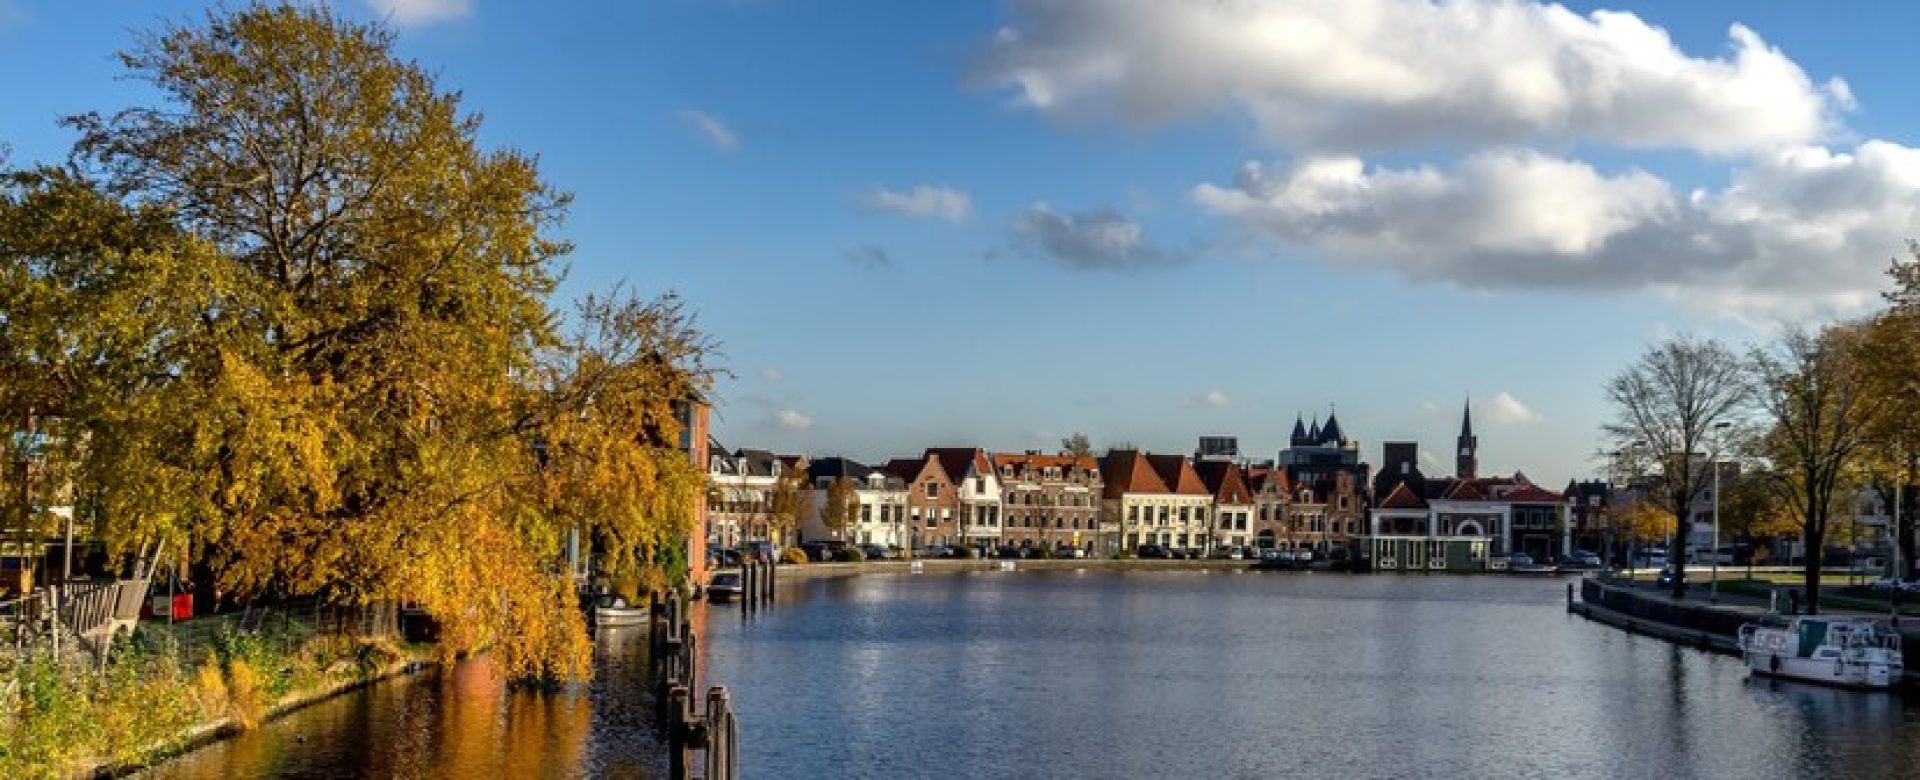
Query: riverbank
[[228, 726], [1643, 608], [801, 571]]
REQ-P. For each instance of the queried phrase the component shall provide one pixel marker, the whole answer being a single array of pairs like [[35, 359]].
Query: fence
[[715, 732]]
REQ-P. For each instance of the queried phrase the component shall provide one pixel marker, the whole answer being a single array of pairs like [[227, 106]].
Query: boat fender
[[1774, 663]]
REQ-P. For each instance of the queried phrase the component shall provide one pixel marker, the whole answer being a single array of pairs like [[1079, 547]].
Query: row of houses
[[1318, 493]]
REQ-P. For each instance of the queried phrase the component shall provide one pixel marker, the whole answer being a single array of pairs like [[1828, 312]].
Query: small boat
[[1848, 652], [724, 587], [611, 611]]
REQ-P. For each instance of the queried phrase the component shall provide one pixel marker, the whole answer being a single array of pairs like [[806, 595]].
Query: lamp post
[[1713, 584]]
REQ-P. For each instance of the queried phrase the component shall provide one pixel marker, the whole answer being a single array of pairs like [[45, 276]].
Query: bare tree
[[1667, 408], [1823, 418], [1077, 444]]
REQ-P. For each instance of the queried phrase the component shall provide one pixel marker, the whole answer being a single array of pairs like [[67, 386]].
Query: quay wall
[[801, 571]]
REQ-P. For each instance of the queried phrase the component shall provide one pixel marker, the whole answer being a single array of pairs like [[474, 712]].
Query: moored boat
[[724, 587], [1847, 652], [611, 611]]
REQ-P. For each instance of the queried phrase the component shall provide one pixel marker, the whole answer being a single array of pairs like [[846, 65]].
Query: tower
[[1466, 465]]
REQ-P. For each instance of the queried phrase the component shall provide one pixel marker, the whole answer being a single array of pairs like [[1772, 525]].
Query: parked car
[[937, 551], [1069, 551], [817, 552], [1519, 559], [1153, 551], [877, 552]]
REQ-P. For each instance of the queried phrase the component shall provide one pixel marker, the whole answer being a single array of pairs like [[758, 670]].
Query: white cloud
[[1096, 240], [712, 129], [1804, 228], [793, 420], [772, 374], [1213, 399], [925, 201], [410, 13], [1369, 74], [1505, 409]]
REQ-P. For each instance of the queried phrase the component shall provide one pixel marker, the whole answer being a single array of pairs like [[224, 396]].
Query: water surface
[[1144, 674]]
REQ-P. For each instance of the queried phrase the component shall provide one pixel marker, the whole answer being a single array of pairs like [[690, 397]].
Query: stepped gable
[[1258, 478], [1403, 497], [1127, 471], [957, 461], [909, 469], [1225, 481], [1176, 472]]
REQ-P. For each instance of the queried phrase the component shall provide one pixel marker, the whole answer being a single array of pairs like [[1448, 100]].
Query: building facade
[[1049, 501], [878, 507]]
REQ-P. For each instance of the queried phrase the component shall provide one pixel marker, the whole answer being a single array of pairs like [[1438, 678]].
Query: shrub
[[964, 552], [1041, 552], [849, 555], [793, 555]]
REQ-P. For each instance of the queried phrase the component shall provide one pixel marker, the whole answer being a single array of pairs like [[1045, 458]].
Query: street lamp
[[1713, 586]]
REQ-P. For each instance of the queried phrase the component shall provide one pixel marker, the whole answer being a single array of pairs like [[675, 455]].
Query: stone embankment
[[816, 570], [1696, 623]]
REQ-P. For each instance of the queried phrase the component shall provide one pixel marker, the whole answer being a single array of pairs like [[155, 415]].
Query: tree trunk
[[1812, 569]]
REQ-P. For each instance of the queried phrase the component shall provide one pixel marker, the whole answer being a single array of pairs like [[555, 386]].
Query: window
[[866, 514], [979, 485], [1343, 502], [1133, 514], [933, 490]]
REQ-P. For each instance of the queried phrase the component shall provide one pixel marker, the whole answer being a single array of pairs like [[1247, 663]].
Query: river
[[1101, 673]]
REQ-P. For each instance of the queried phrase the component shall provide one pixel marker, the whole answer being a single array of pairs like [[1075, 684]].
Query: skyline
[[999, 224]]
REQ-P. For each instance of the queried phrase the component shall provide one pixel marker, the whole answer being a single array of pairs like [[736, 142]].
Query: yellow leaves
[[1643, 521]]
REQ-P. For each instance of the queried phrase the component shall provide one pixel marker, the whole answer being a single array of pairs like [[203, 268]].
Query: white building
[[880, 501]]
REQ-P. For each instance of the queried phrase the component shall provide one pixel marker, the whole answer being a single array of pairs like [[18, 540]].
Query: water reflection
[[1100, 674], [464, 723]]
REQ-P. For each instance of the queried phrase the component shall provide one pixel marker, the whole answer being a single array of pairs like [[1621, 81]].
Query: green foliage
[[849, 555], [319, 351], [964, 551], [1041, 551]]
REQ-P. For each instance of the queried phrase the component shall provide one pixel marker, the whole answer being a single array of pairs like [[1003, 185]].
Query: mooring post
[[722, 756], [772, 566], [677, 733], [1569, 595]]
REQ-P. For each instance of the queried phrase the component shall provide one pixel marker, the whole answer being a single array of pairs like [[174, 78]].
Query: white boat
[[1847, 652], [613, 612]]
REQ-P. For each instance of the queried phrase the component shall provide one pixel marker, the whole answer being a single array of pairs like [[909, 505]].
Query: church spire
[[1467, 463]]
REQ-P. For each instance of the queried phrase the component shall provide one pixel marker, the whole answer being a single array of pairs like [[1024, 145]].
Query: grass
[[61, 717]]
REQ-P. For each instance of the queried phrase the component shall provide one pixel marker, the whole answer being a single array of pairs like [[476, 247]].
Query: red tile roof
[[1177, 473], [1402, 498], [1127, 471], [1535, 494]]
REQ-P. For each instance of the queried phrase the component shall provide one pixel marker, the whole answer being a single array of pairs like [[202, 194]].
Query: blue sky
[[1432, 219]]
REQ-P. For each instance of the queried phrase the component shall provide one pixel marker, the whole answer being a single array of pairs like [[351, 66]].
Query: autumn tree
[[1668, 410], [841, 505], [1889, 361], [789, 502], [1822, 419], [1645, 522], [318, 350]]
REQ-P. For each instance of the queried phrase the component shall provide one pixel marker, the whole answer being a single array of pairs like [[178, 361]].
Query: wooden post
[[723, 758], [772, 565], [677, 732]]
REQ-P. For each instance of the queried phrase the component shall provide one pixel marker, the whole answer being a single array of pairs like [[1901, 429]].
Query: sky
[[993, 224]]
